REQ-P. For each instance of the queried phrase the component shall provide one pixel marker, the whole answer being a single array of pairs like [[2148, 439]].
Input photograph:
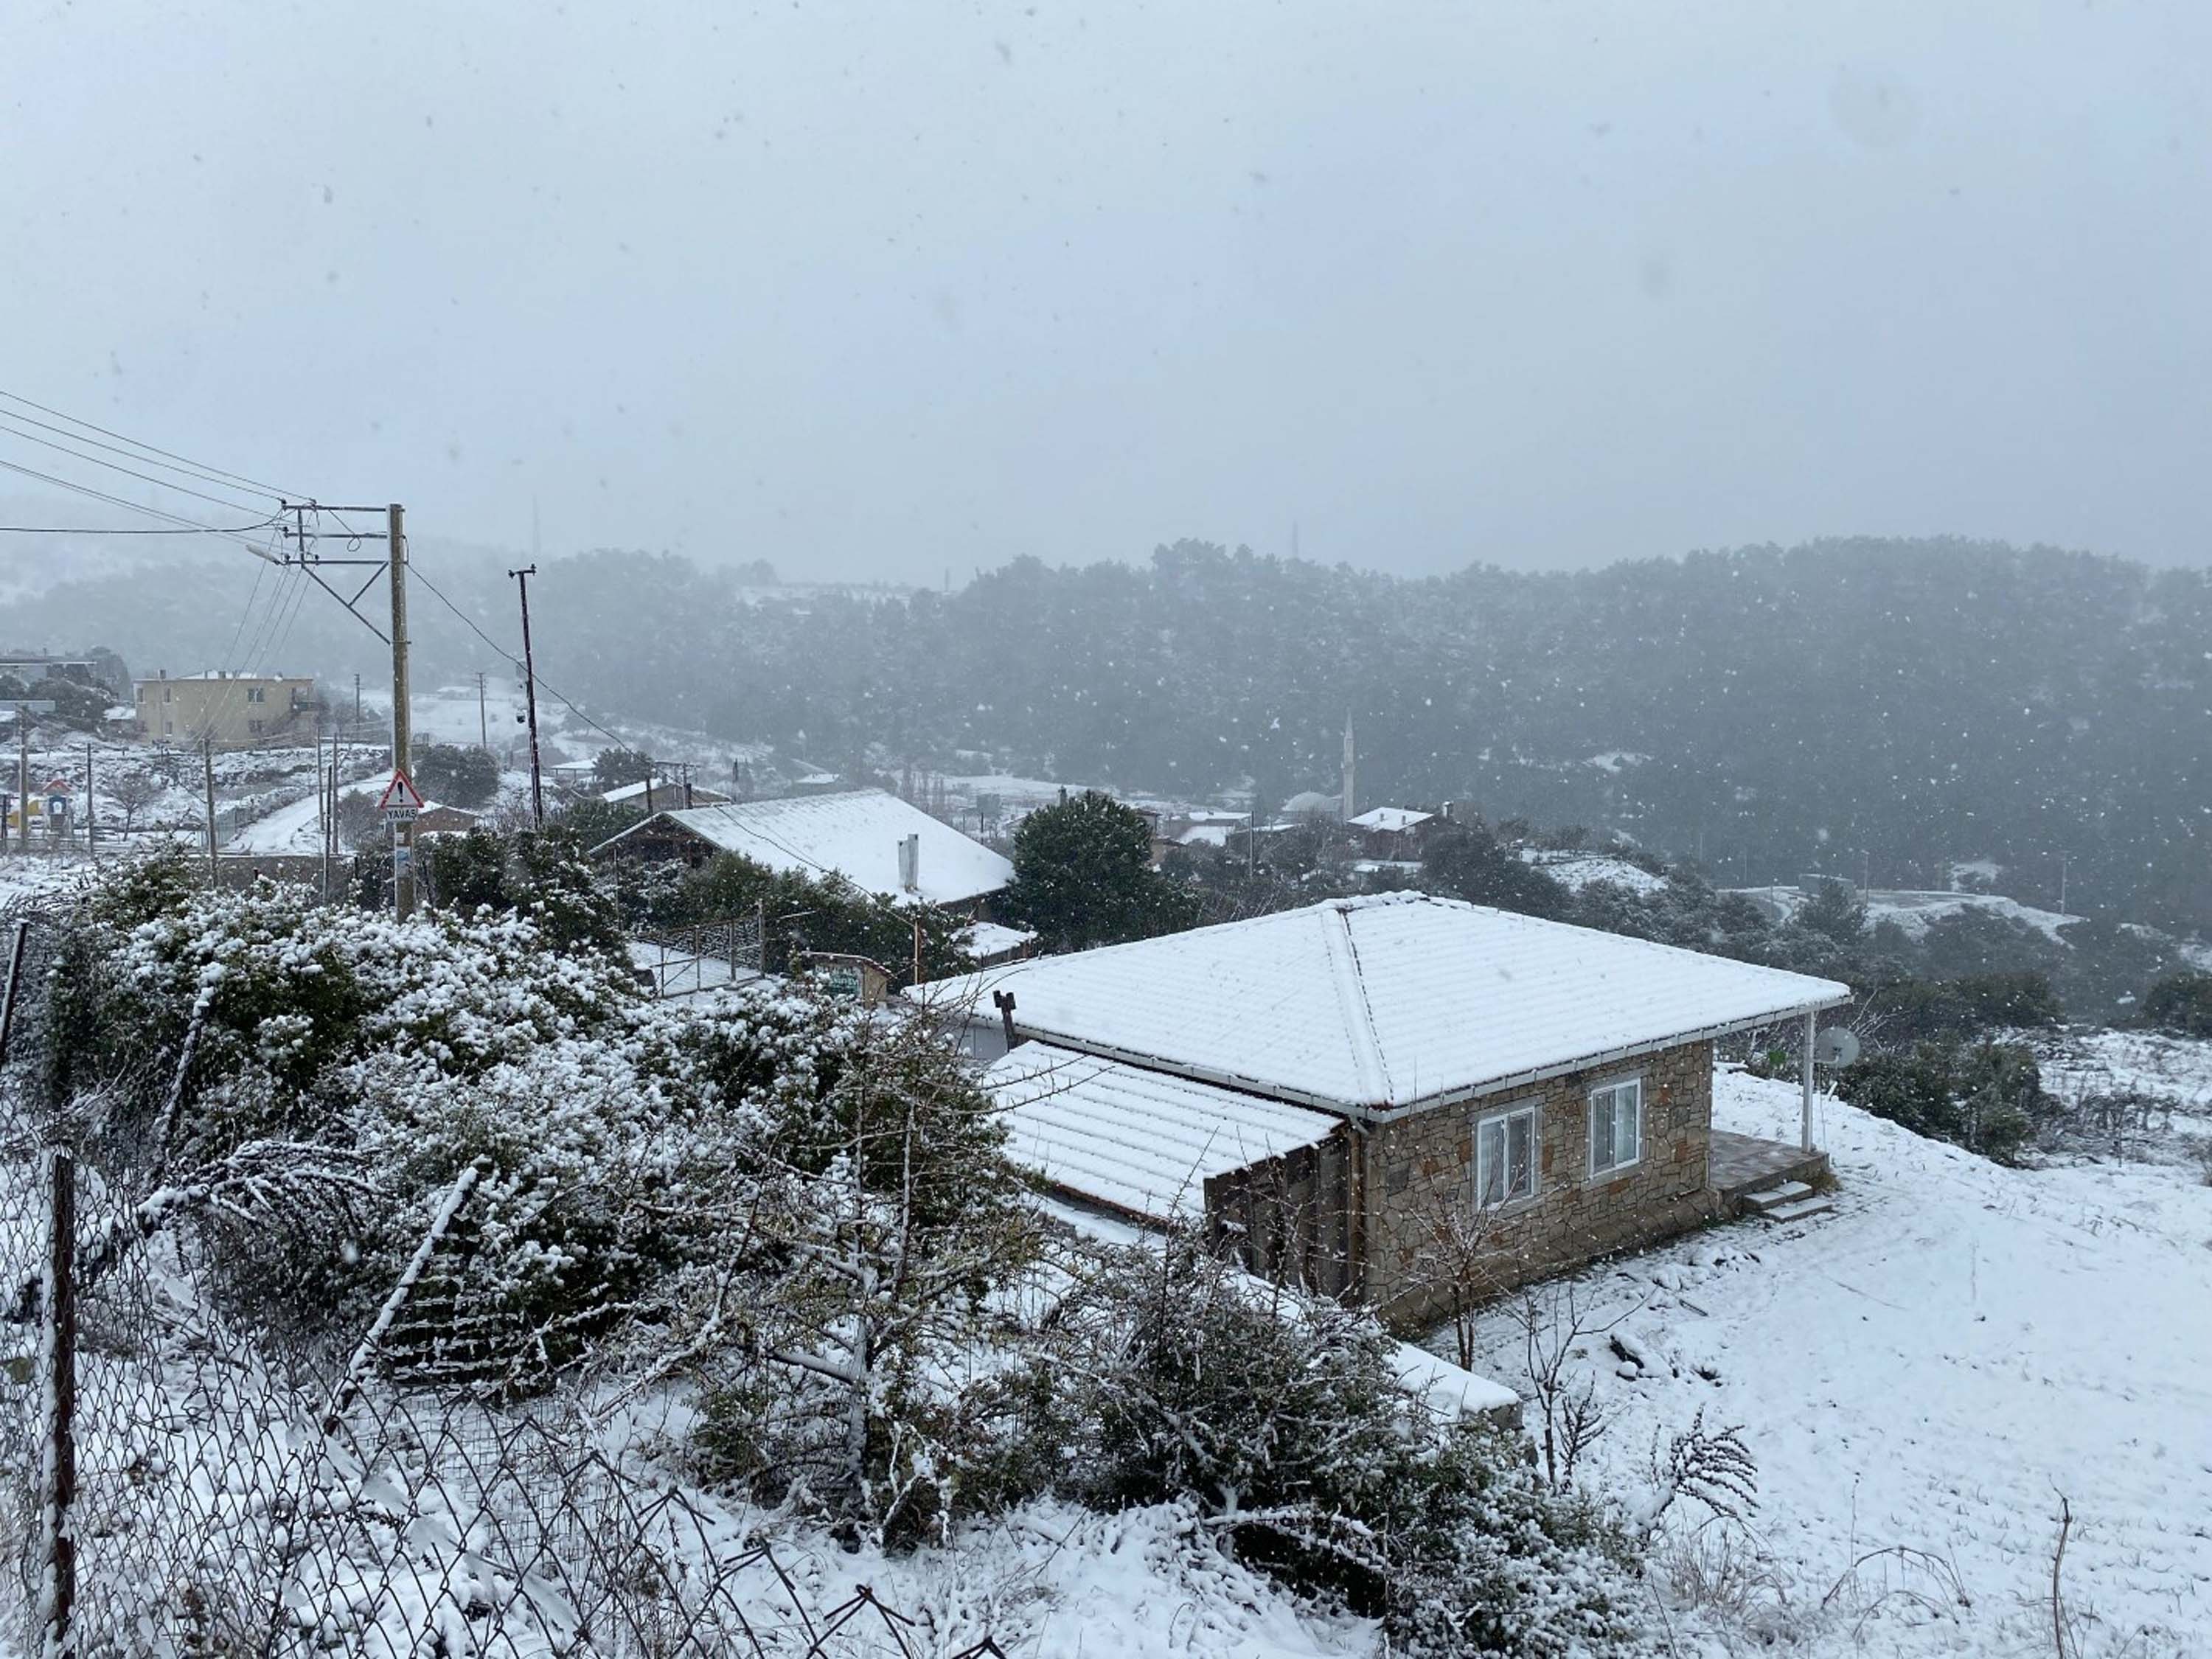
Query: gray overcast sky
[[879, 290]]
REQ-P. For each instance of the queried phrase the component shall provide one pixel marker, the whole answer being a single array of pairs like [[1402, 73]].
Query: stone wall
[[1424, 1168]]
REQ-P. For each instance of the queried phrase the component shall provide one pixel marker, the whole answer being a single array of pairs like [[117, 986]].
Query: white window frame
[[1610, 1091], [1503, 1119]]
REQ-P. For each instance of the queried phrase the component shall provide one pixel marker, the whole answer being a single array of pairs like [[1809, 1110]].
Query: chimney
[[1004, 1000], [910, 863]]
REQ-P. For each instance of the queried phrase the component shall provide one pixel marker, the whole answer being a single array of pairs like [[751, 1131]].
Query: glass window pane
[[1520, 1163], [1490, 1162]]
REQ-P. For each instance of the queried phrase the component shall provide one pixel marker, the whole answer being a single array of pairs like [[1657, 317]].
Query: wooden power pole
[[207, 762], [530, 699], [403, 723]]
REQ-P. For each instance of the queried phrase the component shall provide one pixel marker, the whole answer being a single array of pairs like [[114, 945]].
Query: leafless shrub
[[1712, 1466], [1554, 1326]]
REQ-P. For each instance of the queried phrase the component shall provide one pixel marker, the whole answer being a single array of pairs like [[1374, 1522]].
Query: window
[[1616, 1113], [256, 726], [1505, 1158], [256, 694]]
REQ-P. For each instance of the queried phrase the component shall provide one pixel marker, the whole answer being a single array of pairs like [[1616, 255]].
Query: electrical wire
[[189, 472], [152, 449], [128, 473], [151, 512], [124, 530]]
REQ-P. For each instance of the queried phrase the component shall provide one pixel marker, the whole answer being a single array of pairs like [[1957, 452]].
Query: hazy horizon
[[880, 295]]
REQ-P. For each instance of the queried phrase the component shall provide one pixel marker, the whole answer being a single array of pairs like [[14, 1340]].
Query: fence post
[[57, 1474]]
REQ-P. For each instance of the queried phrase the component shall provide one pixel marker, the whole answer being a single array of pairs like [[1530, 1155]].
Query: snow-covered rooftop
[[855, 833], [1390, 819], [983, 939], [1140, 1141], [661, 788], [1384, 1002]]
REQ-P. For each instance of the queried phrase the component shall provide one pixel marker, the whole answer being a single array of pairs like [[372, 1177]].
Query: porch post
[[1805, 1128]]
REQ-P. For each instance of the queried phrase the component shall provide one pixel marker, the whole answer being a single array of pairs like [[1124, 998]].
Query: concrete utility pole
[[22, 778], [91, 831], [403, 721], [530, 698], [483, 724]]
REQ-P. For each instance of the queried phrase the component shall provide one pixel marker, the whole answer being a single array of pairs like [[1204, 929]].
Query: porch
[[1747, 1175]]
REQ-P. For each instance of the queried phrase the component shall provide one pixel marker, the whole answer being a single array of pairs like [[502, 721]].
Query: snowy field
[[1928, 1368]]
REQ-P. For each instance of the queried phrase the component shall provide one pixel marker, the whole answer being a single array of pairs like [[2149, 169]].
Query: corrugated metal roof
[[1377, 1004], [855, 833], [1142, 1142]]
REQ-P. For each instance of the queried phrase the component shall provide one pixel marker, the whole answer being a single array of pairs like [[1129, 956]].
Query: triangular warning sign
[[400, 794]]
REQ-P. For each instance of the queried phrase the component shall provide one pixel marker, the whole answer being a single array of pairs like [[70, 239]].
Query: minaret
[[1351, 768]]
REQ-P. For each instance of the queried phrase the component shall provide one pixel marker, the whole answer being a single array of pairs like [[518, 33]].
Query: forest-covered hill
[[1902, 703]]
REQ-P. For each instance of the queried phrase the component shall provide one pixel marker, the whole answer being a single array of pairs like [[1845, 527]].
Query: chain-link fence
[[176, 1481]]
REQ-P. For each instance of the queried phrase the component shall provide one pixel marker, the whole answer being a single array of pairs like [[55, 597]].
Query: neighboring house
[[231, 711], [1337, 1089], [1391, 832], [437, 820], [877, 841], [657, 793]]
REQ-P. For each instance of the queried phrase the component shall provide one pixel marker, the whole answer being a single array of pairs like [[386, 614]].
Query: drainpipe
[[1805, 1133]]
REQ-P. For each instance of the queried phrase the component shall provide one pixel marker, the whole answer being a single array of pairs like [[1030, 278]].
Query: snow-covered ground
[[1930, 1369], [1575, 871], [1914, 908]]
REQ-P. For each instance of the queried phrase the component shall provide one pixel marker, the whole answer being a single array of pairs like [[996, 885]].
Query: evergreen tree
[[1082, 876]]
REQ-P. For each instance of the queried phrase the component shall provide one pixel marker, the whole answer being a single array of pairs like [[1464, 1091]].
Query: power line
[[205, 476], [152, 449], [128, 473], [151, 512], [470, 623], [126, 530]]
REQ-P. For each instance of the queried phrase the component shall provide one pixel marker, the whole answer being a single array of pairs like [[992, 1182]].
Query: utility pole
[[22, 779], [484, 725], [91, 830], [356, 702], [207, 760], [530, 697], [403, 720], [2062, 860]]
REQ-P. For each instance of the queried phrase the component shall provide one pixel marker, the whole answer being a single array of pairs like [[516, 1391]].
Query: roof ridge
[[1367, 1055]]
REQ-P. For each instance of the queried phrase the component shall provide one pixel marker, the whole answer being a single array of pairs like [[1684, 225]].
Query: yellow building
[[231, 711]]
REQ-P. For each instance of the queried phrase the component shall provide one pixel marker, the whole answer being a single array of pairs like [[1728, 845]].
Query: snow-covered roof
[[1142, 1142], [1382, 1003], [1204, 835], [985, 939], [1390, 819], [855, 833], [672, 787]]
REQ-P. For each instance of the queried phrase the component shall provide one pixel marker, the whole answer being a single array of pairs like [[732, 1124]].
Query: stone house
[[1379, 1097]]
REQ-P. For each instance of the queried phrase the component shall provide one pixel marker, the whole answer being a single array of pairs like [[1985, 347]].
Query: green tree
[[1082, 876], [1464, 861], [613, 767], [1834, 911], [2181, 1002], [455, 776]]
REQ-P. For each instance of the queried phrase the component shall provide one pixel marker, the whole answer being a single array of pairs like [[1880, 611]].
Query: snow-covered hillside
[[1924, 1373]]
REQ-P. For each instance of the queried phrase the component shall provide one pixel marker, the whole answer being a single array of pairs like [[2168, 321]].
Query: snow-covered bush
[[1284, 1420], [862, 1300]]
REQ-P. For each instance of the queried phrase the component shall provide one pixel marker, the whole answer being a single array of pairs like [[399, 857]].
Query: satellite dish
[[1836, 1046]]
